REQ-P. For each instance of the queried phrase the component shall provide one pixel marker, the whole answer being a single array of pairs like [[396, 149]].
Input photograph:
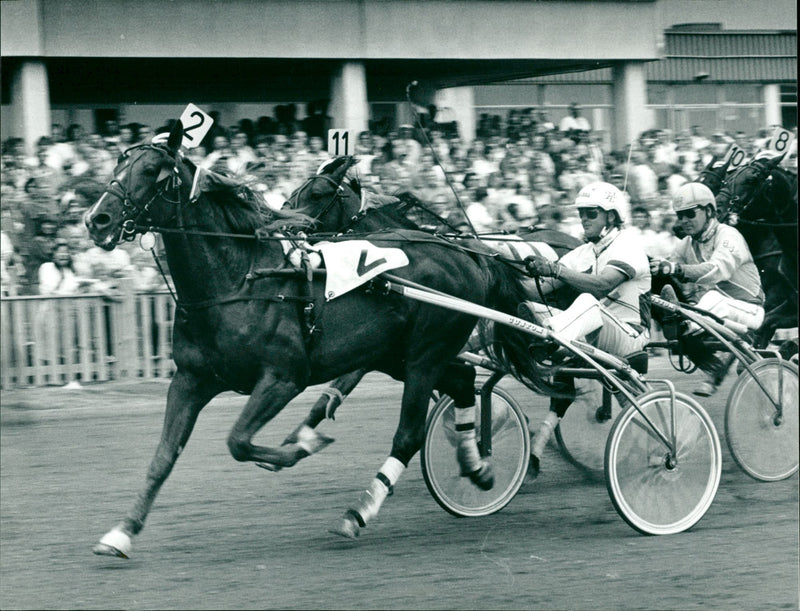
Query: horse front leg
[[326, 405], [187, 395], [408, 439], [268, 398]]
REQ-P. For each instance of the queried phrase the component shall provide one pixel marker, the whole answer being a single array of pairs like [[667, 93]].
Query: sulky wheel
[[509, 457], [656, 491], [762, 440], [582, 433]]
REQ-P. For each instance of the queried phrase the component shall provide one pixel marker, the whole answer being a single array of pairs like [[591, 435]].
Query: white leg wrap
[[371, 500], [469, 458], [542, 436], [392, 469], [464, 415], [579, 319], [310, 440]]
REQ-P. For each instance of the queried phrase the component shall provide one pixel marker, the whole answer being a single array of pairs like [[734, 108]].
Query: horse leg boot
[[187, 395], [325, 407], [408, 438], [458, 381]]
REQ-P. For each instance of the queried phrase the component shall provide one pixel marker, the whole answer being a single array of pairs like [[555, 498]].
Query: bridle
[[336, 198], [736, 205], [132, 215]]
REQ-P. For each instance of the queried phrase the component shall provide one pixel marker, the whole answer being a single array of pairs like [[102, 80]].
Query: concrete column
[[457, 103], [631, 115], [771, 95], [348, 108], [30, 103]]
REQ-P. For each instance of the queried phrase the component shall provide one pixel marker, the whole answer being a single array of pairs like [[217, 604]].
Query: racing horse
[[338, 204], [242, 321], [760, 199]]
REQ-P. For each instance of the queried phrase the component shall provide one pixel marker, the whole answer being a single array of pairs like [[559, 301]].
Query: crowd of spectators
[[520, 171]]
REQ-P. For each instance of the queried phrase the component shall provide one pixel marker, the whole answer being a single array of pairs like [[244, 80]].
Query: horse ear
[[710, 164], [175, 136], [351, 161], [775, 162]]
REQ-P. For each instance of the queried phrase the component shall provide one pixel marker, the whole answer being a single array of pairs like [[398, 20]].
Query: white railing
[[85, 338]]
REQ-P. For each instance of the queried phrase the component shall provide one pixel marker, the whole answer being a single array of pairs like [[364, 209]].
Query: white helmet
[[692, 195], [602, 195]]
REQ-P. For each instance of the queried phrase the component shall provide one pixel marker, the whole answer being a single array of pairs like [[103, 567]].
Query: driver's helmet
[[692, 195], [602, 195]]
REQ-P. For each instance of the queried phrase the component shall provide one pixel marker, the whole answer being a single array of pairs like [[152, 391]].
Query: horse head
[[329, 196], [713, 175], [147, 184], [744, 187]]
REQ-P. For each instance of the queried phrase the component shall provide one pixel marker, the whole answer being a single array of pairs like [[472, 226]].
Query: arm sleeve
[[730, 252]]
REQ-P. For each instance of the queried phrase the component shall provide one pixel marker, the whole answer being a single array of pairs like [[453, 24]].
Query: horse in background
[[242, 320], [760, 200], [338, 204]]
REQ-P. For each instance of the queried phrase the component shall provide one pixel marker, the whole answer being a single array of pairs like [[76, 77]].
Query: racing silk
[[731, 269], [623, 250]]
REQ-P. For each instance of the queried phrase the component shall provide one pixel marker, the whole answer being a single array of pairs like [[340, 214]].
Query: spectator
[[573, 124], [11, 268], [57, 276]]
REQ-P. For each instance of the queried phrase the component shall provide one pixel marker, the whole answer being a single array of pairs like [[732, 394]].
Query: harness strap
[[201, 305]]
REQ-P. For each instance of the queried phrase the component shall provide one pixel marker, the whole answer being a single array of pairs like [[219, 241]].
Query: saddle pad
[[353, 262]]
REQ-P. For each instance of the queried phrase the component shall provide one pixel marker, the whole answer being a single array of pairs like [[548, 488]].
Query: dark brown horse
[[338, 204], [760, 200], [246, 320]]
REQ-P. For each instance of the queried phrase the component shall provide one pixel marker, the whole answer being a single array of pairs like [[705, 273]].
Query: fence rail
[[85, 338]]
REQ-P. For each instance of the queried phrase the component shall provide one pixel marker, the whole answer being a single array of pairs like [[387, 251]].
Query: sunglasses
[[687, 214], [589, 213]]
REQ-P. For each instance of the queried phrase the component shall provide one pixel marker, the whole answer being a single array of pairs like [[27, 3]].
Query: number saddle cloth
[[349, 263]]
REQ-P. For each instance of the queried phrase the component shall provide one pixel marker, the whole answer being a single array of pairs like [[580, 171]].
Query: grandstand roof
[[722, 55]]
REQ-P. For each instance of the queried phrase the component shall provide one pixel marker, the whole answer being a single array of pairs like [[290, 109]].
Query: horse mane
[[246, 211]]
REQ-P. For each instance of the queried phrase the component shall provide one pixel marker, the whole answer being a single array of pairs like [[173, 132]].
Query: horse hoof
[[114, 543], [483, 478], [347, 527]]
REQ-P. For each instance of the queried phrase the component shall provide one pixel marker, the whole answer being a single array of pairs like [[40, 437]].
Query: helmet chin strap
[[603, 233]]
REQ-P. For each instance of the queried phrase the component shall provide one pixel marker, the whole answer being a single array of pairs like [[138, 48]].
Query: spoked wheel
[[762, 441], [509, 458], [582, 433], [655, 491]]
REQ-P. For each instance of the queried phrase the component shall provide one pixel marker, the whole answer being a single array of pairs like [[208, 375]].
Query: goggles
[[687, 214], [589, 213]]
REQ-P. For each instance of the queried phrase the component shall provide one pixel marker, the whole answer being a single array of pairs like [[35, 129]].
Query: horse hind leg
[[187, 395], [458, 381]]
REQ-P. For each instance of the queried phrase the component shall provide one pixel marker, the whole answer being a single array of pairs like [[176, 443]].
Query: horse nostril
[[101, 220]]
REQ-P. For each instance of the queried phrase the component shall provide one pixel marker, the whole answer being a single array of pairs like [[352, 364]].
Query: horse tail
[[508, 348]]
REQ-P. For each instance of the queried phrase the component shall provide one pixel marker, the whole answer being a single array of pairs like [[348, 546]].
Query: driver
[[611, 275], [713, 267]]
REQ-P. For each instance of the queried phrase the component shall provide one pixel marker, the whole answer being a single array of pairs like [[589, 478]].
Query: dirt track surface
[[229, 535]]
